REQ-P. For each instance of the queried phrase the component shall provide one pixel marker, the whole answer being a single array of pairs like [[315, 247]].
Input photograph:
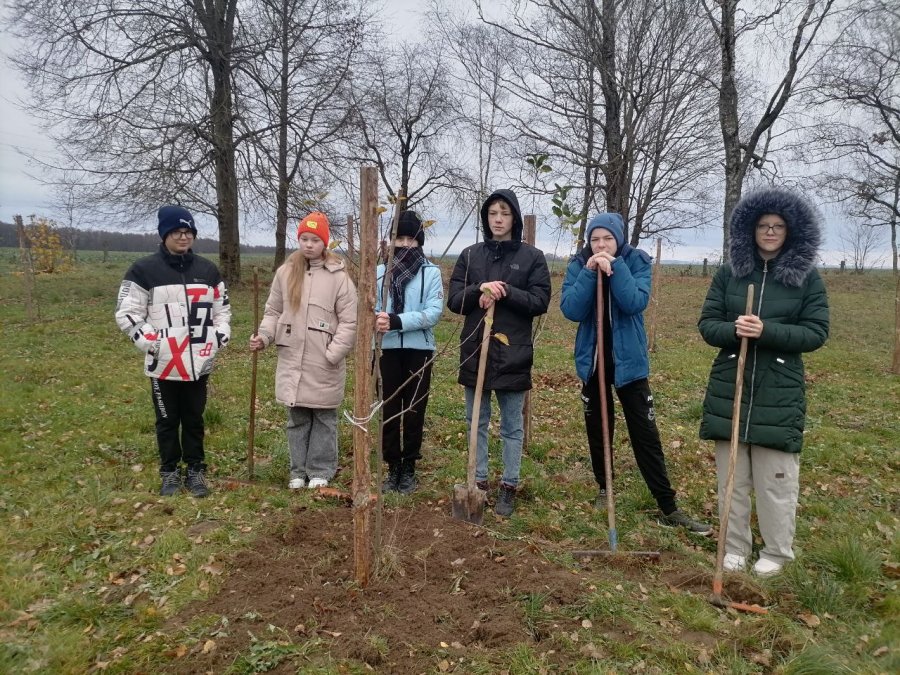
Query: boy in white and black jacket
[[174, 307]]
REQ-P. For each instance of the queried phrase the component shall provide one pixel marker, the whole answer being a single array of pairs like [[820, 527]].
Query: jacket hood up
[[510, 198], [608, 221], [801, 245]]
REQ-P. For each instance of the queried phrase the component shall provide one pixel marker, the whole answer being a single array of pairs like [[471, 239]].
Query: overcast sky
[[21, 194]]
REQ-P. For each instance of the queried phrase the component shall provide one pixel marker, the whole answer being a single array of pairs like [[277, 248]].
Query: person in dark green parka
[[775, 237]]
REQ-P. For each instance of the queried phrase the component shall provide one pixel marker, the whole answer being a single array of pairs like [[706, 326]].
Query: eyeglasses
[[776, 229], [183, 234]]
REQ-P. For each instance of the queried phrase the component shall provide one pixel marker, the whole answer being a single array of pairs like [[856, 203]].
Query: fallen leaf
[[501, 337], [137, 468], [180, 651], [881, 651], [891, 570], [810, 620], [762, 658], [208, 646], [590, 650], [444, 666], [212, 568], [458, 562], [587, 624]]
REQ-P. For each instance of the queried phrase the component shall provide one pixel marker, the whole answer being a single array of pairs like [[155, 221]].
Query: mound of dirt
[[444, 589]]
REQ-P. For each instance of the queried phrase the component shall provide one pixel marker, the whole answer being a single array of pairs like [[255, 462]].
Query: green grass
[[95, 563]]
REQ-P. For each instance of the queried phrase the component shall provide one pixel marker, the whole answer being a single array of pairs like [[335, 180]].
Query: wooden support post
[[27, 271], [351, 242], [705, 267], [529, 236], [654, 297], [895, 365], [362, 389]]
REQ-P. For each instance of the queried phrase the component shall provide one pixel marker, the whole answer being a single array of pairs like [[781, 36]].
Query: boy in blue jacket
[[625, 277]]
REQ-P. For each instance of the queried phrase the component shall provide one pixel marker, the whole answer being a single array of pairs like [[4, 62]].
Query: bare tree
[[139, 95], [404, 112], [615, 91], [292, 107], [745, 142], [861, 242], [857, 136]]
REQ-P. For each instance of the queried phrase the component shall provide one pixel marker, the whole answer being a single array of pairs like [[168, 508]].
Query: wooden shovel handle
[[604, 416], [251, 432], [732, 454], [479, 388]]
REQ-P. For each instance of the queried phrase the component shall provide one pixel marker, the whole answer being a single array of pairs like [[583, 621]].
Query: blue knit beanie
[[172, 217], [608, 221]]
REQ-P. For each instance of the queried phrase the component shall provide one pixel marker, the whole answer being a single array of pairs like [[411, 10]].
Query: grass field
[[95, 564]]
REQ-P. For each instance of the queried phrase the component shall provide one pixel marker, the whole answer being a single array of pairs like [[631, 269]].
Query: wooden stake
[[654, 297], [362, 391], [379, 382], [895, 366], [351, 243], [528, 236], [27, 271]]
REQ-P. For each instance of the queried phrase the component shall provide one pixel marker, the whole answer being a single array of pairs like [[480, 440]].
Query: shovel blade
[[469, 504]]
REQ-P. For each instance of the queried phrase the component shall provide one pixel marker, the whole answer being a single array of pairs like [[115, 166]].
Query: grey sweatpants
[[774, 476], [312, 440]]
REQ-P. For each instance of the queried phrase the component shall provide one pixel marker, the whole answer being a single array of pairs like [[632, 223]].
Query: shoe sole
[[673, 526]]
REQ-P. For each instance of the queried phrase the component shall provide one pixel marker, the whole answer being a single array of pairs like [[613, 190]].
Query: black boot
[[407, 483], [392, 479], [196, 482], [506, 500]]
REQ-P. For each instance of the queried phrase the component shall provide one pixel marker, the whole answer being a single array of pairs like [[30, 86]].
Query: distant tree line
[[102, 240]]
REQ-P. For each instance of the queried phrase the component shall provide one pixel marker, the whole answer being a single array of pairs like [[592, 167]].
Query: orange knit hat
[[315, 223]]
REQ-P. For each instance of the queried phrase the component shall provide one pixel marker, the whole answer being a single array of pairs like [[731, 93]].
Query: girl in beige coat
[[311, 317]]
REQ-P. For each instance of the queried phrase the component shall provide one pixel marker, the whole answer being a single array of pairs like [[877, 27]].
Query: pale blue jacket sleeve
[[433, 303]]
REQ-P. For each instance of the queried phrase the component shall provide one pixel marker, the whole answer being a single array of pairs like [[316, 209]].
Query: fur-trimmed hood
[[801, 246]]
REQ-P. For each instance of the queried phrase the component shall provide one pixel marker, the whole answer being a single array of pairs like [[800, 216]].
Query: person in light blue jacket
[[414, 305], [624, 274]]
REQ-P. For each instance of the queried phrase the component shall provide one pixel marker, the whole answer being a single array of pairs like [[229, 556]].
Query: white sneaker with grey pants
[[774, 475], [312, 441]]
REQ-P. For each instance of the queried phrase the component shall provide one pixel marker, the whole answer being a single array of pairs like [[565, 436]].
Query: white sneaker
[[767, 568], [296, 484], [315, 483], [734, 563]]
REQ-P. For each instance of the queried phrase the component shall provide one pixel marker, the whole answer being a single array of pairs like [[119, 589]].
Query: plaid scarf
[[407, 262]]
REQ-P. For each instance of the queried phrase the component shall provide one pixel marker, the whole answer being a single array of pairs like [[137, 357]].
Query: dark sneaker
[[600, 501], [483, 485], [196, 483], [680, 519], [407, 483], [392, 479], [506, 501], [171, 483]]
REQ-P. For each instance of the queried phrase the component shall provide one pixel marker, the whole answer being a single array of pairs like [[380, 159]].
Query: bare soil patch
[[447, 591]]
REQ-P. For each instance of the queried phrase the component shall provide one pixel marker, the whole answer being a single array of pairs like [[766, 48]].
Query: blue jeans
[[512, 432]]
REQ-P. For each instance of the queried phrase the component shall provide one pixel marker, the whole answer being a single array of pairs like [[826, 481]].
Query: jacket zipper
[[762, 289], [187, 303]]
